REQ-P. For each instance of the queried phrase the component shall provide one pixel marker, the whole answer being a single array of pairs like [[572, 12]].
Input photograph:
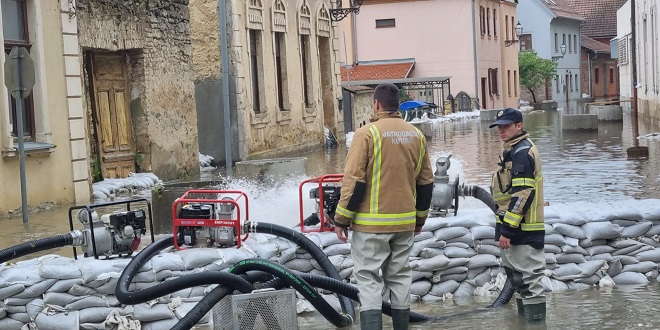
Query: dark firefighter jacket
[[517, 187], [388, 179]]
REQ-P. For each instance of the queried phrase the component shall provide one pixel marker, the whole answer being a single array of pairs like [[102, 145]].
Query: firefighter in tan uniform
[[517, 187], [385, 197]]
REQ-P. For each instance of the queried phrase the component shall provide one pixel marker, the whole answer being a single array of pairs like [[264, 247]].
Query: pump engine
[[331, 195], [203, 236], [118, 233]]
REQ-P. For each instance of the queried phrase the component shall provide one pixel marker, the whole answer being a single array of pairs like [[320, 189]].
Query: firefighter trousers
[[524, 266], [387, 254]]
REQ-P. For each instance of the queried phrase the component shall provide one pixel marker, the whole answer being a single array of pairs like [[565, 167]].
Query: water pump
[[446, 190], [326, 194], [118, 233]]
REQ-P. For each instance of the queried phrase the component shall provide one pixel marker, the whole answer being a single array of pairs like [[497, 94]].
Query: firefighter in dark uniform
[[517, 187]]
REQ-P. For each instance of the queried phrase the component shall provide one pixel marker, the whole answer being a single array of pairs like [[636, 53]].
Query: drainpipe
[[355, 44], [591, 82], [474, 51]]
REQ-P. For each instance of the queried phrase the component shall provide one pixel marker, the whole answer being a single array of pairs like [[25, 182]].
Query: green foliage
[[138, 160], [534, 71], [97, 171], [404, 96]]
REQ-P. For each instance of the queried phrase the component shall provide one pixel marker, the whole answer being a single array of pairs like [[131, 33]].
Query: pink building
[[472, 42]]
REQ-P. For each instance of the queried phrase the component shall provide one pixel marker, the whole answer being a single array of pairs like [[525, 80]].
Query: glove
[[341, 221], [420, 221]]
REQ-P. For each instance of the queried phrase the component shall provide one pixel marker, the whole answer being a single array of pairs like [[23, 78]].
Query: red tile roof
[[562, 8], [600, 16], [594, 45], [380, 71]]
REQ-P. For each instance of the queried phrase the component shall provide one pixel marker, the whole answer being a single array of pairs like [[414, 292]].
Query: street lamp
[[339, 13], [562, 48], [519, 31]]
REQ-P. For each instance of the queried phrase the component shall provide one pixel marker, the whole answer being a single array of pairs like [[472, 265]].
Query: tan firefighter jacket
[[388, 179], [517, 187]]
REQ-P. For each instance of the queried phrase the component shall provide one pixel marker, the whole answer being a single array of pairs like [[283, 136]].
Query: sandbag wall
[[586, 244]]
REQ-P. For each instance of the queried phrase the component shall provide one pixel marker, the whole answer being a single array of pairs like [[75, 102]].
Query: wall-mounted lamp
[[562, 48], [339, 13], [519, 31]]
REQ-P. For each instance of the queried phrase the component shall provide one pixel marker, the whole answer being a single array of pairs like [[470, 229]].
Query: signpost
[[19, 79]]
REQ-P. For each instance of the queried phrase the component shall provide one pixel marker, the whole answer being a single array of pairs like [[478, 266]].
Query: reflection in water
[[577, 166]]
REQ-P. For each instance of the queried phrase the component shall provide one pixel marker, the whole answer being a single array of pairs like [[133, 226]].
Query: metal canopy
[[420, 82]]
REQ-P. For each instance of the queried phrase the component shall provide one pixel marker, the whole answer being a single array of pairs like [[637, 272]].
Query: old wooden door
[[112, 113]]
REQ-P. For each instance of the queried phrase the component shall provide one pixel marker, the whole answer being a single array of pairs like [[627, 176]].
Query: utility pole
[[633, 55], [224, 66]]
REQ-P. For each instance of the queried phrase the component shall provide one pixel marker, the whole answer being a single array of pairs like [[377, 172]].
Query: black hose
[[298, 284], [311, 248], [136, 297], [505, 295], [201, 308], [484, 196], [41, 244]]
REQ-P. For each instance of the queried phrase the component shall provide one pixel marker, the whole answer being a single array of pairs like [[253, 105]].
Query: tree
[[535, 71]]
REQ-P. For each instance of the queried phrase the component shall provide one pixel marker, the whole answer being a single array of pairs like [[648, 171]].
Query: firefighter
[[517, 187], [385, 198]]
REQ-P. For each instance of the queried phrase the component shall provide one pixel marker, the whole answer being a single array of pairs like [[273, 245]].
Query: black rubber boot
[[371, 320], [400, 319], [521, 310], [534, 313]]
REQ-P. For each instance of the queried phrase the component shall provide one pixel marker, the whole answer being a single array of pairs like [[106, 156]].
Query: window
[[570, 44], [515, 83], [513, 28], [577, 83], [495, 22], [281, 70], [15, 29], [482, 25], [492, 81], [575, 48], [563, 39], [596, 76], [506, 27], [488, 21], [385, 23], [508, 82], [256, 68], [570, 82], [611, 75], [556, 43], [306, 69], [557, 84], [526, 42]]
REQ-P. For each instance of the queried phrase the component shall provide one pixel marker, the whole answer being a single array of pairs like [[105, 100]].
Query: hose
[[484, 196], [505, 295], [41, 244], [311, 248]]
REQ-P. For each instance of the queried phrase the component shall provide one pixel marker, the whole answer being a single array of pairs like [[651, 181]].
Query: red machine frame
[[235, 223], [321, 180]]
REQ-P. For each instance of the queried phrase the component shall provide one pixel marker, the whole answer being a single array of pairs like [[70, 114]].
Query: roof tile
[[377, 71], [594, 45], [600, 16]]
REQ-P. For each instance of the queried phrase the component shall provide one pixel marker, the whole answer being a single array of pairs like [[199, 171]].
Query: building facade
[[551, 26], [647, 52], [283, 77], [463, 40]]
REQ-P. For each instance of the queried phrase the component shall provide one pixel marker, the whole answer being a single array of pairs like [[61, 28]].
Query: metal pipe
[[474, 52], [19, 122], [224, 67]]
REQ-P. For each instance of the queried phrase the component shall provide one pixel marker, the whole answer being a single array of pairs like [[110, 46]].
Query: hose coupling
[[78, 238]]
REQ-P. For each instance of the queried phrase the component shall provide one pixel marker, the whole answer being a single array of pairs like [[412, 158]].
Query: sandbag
[[482, 260], [439, 289], [467, 239], [26, 276], [553, 285], [156, 312], [624, 223], [630, 278], [11, 290], [194, 258], [93, 314], [168, 261], [337, 249], [433, 224], [564, 258], [591, 280], [60, 272], [87, 302], [571, 241], [549, 248], [577, 286], [650, 211], [574, 249], [327, 238], [34, 307], [590, 268], [427, 243], [615, 268], [460, 245], [452, 252], [300, 265], [488, 249], [570, 230], [641, 267], [91, 269], [593, 250], [424, 235], [64, 285], [630, 250], [465, 289], [549, 229], [601, 230], [22, 317], [481, 279], [459, 277], [623, 243], [60, 298], [9, 323], [585, 243], [452, 270], [550, 258], [159, 325], [421, 287], [555, 239], [568, 214], [636, 230], [567, 272], [482, 232], [447, 233], [431, 252], [431, 264], [651, 255], [473, 272], [420, 275]]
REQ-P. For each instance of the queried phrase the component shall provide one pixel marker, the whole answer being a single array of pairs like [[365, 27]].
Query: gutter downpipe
[[355, 43], [474, 52]]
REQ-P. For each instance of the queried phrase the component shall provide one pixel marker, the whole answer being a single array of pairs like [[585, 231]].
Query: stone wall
[[156, 37], [270, 131]]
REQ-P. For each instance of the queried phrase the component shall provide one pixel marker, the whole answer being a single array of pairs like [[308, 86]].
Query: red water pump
[[326, 194], [209, 218]]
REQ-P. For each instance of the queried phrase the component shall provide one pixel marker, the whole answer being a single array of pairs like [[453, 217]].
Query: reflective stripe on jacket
[[517, 187], [389, 155]]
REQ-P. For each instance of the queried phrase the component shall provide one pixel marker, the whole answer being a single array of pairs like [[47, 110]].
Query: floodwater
[[577, 166]]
